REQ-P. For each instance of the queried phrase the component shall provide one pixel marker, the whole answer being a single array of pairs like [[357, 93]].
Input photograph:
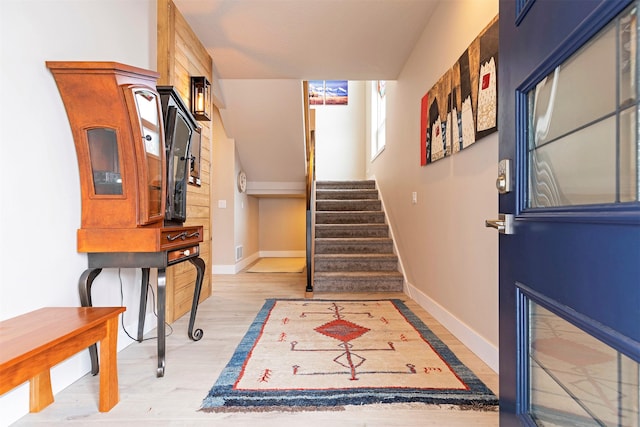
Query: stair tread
[[357, 255], [349, 200], [347, 226], [350, 212], [357, 274], [354, 239]]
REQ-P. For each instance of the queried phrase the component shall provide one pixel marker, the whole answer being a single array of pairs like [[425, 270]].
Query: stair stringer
[[396, 252]]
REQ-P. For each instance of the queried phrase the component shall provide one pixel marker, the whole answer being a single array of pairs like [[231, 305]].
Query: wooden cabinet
[[116, 118], [118, 129]]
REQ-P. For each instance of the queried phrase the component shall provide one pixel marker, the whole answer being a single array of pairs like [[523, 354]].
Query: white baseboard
[[244, 263], [482, 348], [283, 254], [235, 268]]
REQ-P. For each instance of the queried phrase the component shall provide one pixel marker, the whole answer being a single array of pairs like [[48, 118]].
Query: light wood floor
[[193, 367]]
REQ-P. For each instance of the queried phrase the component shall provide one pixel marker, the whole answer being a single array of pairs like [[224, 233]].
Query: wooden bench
[[31, 344]]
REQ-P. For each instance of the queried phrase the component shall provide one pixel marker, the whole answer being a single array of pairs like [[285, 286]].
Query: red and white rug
[[309, 354]]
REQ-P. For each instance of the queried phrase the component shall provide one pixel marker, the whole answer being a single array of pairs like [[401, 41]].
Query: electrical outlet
[[414, 197]]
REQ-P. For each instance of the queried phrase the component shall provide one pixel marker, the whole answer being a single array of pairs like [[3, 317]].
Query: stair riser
[[363, 232], [360, 265], [354, 247], [349, 217], [346, 185], [348, 285], [347, 195], [348, 205]]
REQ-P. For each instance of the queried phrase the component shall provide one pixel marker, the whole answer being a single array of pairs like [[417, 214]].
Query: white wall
[[222, 196], [40, 193], [246, 222], [282, 229], [235, 215], [449, 257], [341, 137]]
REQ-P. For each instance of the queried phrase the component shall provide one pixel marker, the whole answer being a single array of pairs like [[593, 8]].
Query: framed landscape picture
[[328, 92]]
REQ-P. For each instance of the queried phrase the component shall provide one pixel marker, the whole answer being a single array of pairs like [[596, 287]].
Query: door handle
[[504, 223]]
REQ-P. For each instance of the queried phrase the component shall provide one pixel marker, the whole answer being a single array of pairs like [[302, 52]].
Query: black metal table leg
[[144, 289], [84, 286], [200, 266], [162, 298], [145, 261]]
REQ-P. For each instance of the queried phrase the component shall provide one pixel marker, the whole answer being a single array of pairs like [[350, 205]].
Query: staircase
[[353, 250]]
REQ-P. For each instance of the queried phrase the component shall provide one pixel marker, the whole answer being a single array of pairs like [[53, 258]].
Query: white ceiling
[[262, 49], [308, 39]]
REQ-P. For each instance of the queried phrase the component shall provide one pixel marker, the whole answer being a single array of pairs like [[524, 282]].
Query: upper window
[[378, 117]]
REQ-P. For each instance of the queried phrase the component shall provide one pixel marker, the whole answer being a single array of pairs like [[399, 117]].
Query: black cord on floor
[[153, 306]]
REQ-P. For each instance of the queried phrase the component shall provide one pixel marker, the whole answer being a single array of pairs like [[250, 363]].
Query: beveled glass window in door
[[583, 123], [576, 379]]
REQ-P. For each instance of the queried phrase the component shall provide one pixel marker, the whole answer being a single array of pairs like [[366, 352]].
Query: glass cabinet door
[[178, 163], [105, 162], [147, 104]]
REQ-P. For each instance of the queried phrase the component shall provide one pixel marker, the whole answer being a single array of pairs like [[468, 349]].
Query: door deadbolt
[[503, 183]]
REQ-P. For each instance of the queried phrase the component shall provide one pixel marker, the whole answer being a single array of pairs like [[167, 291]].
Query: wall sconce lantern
[[201, 98]]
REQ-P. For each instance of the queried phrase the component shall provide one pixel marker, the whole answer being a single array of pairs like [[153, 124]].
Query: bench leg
[[40, 395], [109, 393]]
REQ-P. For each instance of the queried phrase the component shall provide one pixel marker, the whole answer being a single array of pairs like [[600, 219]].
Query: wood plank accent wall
[[180, 56]]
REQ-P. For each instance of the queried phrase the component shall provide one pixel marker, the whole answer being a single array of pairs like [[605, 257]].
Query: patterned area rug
[[317, 354]]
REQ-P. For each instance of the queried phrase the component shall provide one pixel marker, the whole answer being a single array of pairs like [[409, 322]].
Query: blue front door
[[570, 252]]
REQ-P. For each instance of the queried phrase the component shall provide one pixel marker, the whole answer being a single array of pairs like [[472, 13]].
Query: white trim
[[283, 254], [393, 239], [375, 156], [245, 262], [234, 268], [470, 338], [267, 188], [223, 269]]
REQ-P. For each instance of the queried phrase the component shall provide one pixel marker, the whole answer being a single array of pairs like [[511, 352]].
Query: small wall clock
[[242, 181]]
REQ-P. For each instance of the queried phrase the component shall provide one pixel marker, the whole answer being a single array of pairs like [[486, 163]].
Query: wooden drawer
[[178, 255], [180, 237]]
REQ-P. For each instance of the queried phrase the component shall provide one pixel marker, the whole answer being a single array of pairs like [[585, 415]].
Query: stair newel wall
[[310, 150]]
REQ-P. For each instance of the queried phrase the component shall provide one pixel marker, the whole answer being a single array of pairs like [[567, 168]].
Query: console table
[[146, 260]]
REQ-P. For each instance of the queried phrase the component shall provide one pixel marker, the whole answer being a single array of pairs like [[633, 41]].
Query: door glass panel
[[105, 163], [577, 380], [582, 128]]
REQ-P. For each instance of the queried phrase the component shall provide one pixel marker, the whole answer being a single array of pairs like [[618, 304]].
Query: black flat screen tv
[[179, 129]]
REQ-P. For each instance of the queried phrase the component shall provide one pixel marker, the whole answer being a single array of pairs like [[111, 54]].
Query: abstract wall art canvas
[[463, 105]]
